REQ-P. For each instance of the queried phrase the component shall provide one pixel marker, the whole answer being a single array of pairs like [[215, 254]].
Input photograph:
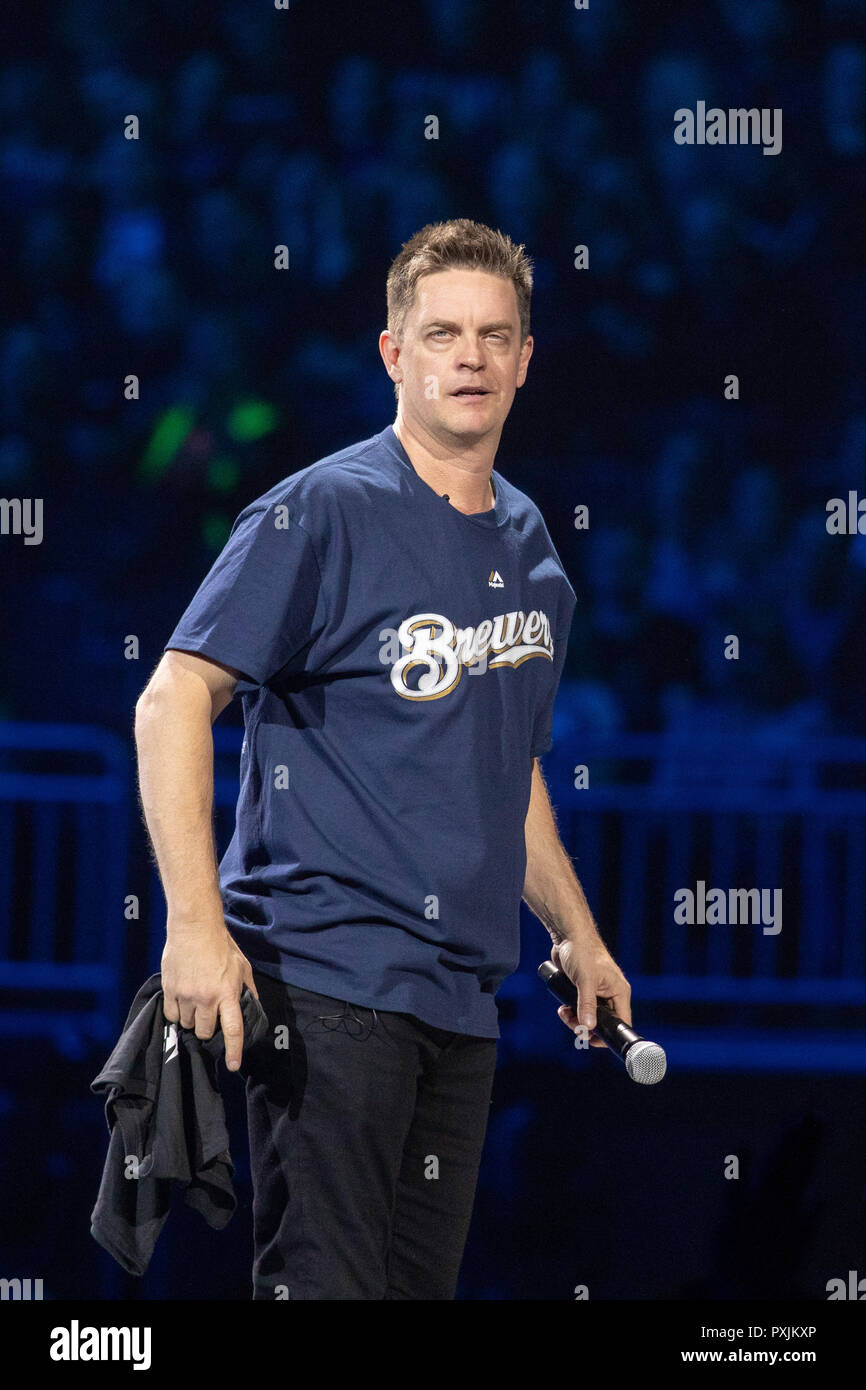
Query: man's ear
[[523, 363], [389, 350]]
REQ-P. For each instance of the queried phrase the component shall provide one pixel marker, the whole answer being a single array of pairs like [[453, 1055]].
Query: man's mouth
[[471, 391]]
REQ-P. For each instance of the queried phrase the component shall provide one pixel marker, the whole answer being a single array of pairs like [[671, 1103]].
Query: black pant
[[366, 1130]]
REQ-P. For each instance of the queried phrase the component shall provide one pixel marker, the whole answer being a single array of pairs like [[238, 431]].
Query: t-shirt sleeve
[[261, 601], [542, 734]]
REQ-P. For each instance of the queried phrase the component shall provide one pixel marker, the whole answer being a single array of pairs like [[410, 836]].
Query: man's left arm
[[552, 891]]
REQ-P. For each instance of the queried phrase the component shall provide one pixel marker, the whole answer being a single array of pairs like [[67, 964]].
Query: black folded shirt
[[166, 1123]]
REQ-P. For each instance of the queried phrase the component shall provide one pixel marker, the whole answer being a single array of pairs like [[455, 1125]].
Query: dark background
[[707, 517]]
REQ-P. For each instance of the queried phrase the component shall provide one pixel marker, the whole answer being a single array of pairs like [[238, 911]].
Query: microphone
[[445, 497], [644, 1061]]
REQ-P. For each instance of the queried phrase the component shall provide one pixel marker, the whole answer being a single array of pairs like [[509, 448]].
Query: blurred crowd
[[154, 257]]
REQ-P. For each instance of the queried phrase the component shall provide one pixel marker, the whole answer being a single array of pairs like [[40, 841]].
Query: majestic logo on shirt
[[441, 650], [495, 580]]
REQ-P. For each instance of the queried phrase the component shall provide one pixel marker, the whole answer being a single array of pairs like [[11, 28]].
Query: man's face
[[460, 359]]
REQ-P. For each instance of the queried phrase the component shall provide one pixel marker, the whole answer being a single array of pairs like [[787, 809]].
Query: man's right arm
[[203, 971]]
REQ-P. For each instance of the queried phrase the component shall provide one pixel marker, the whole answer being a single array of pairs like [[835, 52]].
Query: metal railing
[[659, 815], [64, 835]]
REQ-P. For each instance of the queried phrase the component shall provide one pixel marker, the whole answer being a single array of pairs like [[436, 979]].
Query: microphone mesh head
[[646, 1062]]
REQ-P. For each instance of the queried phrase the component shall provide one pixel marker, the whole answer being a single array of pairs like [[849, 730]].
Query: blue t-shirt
[[399, 664]]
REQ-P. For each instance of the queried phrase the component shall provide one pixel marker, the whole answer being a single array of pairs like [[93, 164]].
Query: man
[[396, 617]]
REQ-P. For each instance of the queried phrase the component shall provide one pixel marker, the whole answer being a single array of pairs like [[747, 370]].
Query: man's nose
[[472, 353]]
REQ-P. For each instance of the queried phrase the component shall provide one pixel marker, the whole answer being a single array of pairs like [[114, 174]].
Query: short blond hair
[[460, 244]]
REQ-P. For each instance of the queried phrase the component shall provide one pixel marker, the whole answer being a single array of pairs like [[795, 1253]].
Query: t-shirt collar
[[495, 516]]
